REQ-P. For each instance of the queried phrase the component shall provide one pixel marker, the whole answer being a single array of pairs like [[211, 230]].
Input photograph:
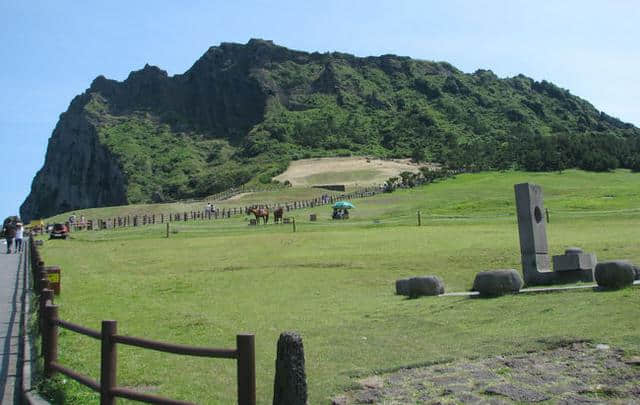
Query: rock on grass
[[614, 274], [402, 286], [495, 283], [425, 285]]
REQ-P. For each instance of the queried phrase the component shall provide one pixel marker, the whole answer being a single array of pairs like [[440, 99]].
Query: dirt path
[[578, 373], [236, 197], [345, 170]]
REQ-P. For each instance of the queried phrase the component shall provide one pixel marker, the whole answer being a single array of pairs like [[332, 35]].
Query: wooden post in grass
[[50, 339], [293, 221], [46, 295], [167, 229], [546, 211], [246, 369], [108, 359], [419, 219]]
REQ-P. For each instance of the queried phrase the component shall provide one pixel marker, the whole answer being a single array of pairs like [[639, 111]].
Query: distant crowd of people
[[209, 208], [73, 221]]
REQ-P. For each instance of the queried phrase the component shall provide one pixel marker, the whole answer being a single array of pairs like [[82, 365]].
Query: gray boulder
[[494, 283], [425, 285], [402, 286], [637, 270], [615, 274]]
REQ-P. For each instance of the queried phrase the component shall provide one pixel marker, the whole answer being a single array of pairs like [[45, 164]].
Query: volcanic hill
[[241, 113]]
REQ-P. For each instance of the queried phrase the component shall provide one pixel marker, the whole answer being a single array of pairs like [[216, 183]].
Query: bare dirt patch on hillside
[[345, 170], [237, 196], [576, 373]]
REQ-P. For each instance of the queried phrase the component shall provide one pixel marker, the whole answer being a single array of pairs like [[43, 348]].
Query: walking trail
[[11, 291]]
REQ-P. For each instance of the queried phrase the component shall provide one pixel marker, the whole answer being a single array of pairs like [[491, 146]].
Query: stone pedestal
[[573, 266]]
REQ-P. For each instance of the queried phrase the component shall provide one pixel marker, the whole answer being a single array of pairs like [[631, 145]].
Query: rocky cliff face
[[217, 97], [242, 112], [78, 170]]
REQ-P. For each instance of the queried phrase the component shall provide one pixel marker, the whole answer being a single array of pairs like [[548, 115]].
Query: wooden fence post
[[546, 210], [167, 229], [419, 219], [44, 281], [47, 294], [108, 363], [246, 369], [50, 339], [293, 221]]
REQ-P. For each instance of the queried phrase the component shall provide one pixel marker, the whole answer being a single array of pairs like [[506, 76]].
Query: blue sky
[[51, 51]]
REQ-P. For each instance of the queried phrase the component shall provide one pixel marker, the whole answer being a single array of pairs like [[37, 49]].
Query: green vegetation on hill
[[332, 281], [337, 104]]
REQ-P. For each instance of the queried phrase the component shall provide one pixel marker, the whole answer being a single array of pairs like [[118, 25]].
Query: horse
[[277, 215], [259, 213]]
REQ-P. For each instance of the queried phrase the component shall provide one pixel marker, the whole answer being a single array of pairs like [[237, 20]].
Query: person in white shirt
[[19, 234]]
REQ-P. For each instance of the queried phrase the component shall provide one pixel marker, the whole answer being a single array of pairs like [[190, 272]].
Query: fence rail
[[224, 213], [50, 322]]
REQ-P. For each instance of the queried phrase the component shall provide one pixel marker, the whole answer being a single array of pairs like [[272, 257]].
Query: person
[[9, 231], [18, 237], [208, 209]]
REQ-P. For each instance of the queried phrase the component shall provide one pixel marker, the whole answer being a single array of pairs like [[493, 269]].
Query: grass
[[332, 281]]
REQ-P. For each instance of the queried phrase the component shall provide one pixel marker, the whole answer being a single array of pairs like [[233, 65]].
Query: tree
[[418, 155]]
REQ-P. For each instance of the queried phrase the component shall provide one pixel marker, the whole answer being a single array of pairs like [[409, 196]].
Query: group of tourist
[[210, 208], [73, 221], [13, 231], [340, 213]]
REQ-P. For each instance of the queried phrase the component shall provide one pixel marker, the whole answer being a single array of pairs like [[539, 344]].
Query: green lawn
[[333, 281]]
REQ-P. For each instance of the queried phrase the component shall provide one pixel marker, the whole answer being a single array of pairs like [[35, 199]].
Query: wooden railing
[[50, 322], [227, 212]]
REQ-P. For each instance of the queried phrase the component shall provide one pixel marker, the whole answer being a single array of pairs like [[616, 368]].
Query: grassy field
[[332, 281]]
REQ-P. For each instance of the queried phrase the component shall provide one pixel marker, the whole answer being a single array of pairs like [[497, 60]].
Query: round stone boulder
[[614, 274], [573, 251], [402, 286], [495, 283], [425, 285]]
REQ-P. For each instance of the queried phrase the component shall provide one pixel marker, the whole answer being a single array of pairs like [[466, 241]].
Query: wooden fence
[[161, 218], [50, 322], [224, 213]]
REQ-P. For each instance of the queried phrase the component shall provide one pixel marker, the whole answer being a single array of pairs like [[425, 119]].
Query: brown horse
[[277, 215], [259, 213]]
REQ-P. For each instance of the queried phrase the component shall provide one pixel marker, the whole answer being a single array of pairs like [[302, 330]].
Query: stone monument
[[573, 266]]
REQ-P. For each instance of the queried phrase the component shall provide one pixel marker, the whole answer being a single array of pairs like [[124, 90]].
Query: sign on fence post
[[52, 274]]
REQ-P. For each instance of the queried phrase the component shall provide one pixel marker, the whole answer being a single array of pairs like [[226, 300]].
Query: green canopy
[[343, 204]]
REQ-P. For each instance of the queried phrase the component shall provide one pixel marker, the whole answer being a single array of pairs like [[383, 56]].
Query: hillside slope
[[243, 112]]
